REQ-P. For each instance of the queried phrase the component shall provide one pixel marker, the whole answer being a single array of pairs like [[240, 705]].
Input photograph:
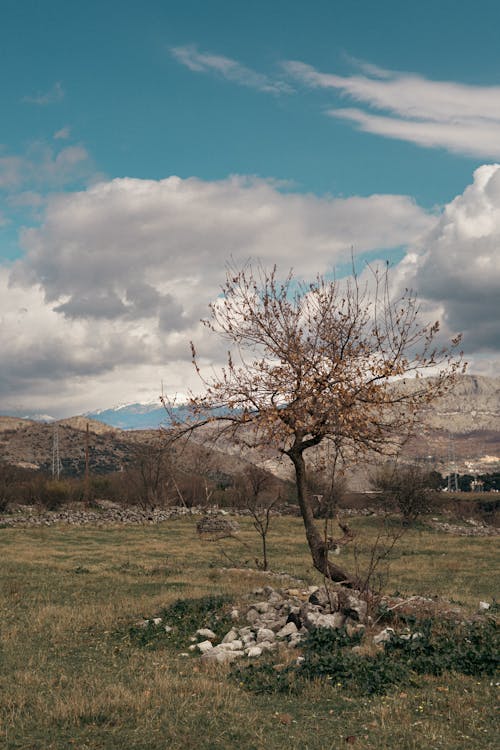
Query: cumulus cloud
[[101, 251], [455, 268], [459, 117], [117, 277], [115, 280], [232, 70]]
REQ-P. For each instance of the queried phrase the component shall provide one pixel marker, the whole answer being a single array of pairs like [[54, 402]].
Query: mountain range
[[461, 429]]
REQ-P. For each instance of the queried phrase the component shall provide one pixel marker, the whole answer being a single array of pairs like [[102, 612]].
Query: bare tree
[[149, 478], [314, 363], [253, 485]]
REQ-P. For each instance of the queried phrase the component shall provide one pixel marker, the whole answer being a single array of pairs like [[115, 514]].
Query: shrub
[[406, 489]]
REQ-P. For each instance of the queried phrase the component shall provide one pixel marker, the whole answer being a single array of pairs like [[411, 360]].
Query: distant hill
[[461, 428]]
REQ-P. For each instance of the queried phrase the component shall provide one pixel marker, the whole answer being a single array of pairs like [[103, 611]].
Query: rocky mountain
[[460, 432]]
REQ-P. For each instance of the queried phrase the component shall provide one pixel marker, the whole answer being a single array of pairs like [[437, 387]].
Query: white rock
[[484, 606], [206, 633], [235, 615], [268, 646], [192, 647], [330, 621], [168, 628], [221, 657], [262, 607], [384, 636], [359, 606], [264, 634], [156, 620], [232, 635], [289, 629], [204, 646], [311, 619], [254, 651]]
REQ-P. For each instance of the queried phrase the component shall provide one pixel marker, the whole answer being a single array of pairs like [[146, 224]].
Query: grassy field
[[71, 677]]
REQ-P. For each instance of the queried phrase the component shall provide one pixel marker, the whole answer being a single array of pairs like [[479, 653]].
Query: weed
[[471, 649], [185, 617]]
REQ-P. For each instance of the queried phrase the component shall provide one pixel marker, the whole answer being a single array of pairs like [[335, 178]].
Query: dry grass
[[70, 676]]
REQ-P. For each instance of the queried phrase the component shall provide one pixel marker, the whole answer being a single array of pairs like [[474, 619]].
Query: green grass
[[71, 676]]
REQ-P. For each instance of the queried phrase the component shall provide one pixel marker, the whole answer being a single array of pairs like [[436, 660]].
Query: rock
[[356, 608], [221, 657], [275, 598], [235, 615], [384, 636], [204, 646], [265, 634], [484, 606], [267, 645], [289, 629], [252, 615], [254, 651], [156, 620], [330, 621], [262, 607], [245, 631], [206, 633], [232, 635], [168, 628], [311, 619], [294, 618]]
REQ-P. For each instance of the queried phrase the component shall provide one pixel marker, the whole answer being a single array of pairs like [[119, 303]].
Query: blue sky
[[330, 124]]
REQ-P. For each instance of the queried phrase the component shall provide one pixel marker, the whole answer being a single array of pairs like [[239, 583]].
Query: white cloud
[[114, 281], [62, 134], [232, 70], [45, 167], [118, 275], [55, 94], [455, 268], [459, 117]]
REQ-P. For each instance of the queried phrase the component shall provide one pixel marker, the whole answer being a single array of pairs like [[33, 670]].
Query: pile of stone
[[473, 528], [112, 513], [213, 527], [280, 617], [98, 517]]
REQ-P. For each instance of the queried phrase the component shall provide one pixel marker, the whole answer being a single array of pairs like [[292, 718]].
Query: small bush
[[54, 493]]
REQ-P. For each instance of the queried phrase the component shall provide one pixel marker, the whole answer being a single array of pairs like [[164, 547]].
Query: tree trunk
[[319, 552]]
